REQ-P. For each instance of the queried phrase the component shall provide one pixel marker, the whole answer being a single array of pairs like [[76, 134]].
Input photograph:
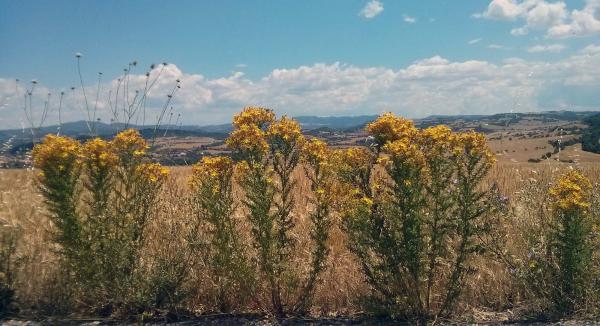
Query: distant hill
[[590, 140], [80, 129], [335, 123]]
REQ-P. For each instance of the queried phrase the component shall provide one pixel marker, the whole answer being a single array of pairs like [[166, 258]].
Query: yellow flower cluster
[[571, 192], [316, 151], [474, 144], [130, 141], [286, 129], [406, 151], [248, 138], [437, 138], [211, 170], [256, 116], [388, 128], [153, 172], [56, 152], [99, 153], [354, 158]]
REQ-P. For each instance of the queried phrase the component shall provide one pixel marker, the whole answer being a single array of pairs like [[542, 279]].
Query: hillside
[[514, 137]]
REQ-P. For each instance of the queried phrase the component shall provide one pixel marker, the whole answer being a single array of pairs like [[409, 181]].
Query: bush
[[571, 243], [559, 260], [212, 186], [269, 151], [416, 226], [100, 196]]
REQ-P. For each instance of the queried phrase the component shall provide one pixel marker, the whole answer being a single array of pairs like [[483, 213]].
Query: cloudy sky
[[335, 57]]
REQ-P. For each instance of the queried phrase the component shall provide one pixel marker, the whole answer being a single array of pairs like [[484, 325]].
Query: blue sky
[[330, 57]]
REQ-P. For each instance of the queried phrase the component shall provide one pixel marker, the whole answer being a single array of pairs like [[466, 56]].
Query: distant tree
[[590, 140]]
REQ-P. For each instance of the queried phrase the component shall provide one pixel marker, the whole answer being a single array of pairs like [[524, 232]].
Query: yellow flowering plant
[[418, 207], [212, 194], [571, 192], [100, 195], [318, 168], [256, 116], [571, 240], [129, 143], [58, 161], [388, 128]]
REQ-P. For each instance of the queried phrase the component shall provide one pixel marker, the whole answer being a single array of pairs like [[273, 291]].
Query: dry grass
[[21, 209]]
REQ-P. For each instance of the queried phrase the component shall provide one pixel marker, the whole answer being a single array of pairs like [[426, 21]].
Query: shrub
[[416, 223], [319, 169], [212, 184], [571, 244], [557, 225], [100, 196], [269, 151]]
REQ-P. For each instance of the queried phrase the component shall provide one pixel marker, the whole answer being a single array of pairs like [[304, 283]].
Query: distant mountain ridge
[[79, 129]]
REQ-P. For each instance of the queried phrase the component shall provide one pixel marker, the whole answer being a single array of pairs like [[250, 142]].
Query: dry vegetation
[[492, 287]]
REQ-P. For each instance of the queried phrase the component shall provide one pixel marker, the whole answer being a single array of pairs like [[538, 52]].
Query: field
[[22, 210], [491, 292]]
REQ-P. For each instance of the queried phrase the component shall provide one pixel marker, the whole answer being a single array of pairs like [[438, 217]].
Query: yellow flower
[[406, 151], [571, 192], [357, 158], [240, 169], [388, 128], [437, 139], [129, 142], [316, 152], [473, 144], [99, 153], [367, 201], [248, 138], [56, 152], [211, 169], [286, 129], [153, 172], [256, 116]]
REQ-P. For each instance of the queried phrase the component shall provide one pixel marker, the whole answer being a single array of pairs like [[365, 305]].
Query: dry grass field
[[529, 162], [22, 211]]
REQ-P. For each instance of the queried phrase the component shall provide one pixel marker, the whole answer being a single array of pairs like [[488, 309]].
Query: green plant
[[318, 167], [100, 196], [270, 151], [213, 200], [571, 238], [416, 226]]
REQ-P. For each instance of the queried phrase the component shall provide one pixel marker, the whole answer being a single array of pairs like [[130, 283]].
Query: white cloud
[[553, 18], [502, 10], [583, 22], [496, 46], [555, 48], [520, 31], [408, 19], [371, 9], [474, 41], [432, 85]]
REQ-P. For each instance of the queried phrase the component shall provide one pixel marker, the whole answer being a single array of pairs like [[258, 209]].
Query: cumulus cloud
[[434, 85], [555, 48], [371, 9], [553, 18], [474, 41], [583, 22]]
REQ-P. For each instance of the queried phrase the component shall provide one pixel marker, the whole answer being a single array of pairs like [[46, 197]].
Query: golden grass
[[21, 209]]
